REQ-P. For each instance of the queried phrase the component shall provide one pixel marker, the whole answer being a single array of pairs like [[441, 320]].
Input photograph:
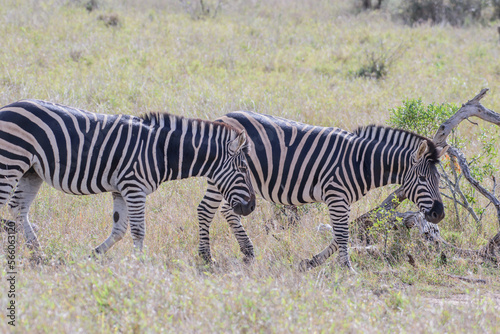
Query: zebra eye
[[422, 178], [242, 169]]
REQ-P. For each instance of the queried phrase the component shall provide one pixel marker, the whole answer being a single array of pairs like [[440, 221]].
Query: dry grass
[[295, 59]]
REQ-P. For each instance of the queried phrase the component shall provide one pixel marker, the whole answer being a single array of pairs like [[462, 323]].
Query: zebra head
[[421, 184], [233, 177]]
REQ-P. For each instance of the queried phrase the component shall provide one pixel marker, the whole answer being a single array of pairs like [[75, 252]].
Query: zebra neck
[[195, 148], [383, 164]]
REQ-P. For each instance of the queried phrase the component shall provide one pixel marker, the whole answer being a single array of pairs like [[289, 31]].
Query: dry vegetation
[[304, 60]]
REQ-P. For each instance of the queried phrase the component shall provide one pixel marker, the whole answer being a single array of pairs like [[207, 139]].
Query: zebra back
[[80, 152]]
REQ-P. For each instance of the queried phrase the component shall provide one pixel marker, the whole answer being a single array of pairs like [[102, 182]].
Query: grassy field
[[297, 59]]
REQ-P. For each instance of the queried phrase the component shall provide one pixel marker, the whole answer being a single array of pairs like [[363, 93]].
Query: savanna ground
[[297, 59]]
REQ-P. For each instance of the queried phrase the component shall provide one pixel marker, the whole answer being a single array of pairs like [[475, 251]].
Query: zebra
[[83, 153], [292, 163]]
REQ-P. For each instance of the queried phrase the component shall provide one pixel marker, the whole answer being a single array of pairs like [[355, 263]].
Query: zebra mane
[[162, 118], [380, 133], [159, 119]]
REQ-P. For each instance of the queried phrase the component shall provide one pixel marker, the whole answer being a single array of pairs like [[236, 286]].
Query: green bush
[[414, 116]]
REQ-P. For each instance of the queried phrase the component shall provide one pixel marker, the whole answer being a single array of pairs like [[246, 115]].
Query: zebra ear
[[442, 150], [421, 150], [239, 142]]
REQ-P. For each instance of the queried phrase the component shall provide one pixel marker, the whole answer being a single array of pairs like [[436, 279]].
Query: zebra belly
[[289, 196], [76, 184]]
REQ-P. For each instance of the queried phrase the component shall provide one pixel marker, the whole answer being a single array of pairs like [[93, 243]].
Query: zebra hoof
[[305, 265], [37, 258], [346, 264], [350, 268], [209, 265], [207, 258], [33, 245], [209, 262], [35, 227], [95, 255], [248, 259]]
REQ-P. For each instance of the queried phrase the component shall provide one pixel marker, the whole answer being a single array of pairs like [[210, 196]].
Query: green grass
[[295, 59]]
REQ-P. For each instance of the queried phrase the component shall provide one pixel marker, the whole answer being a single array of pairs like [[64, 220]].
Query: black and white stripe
[[293, 163], [82, 153]]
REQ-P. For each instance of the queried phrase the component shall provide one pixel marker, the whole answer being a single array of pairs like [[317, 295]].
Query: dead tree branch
[[385, 210], [462, 162], [472, 108], [468, 280]]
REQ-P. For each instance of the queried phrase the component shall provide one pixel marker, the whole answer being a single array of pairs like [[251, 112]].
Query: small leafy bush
[[414, 116], [377, 62]]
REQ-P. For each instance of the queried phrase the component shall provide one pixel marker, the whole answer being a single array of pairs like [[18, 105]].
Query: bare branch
[[469, 280], [470, 109], [451, 186], [466, 172]]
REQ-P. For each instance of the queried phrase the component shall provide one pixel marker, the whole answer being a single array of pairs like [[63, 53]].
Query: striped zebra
[[293, 163], [82, 153]]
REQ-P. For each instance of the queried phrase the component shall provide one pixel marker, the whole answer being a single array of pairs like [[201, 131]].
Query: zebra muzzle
[[244, 208], [435, 213]]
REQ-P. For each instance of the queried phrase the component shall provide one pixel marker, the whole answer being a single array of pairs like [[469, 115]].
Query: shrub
[[377, 62], [414, 116], [369, 4], [201, 9], [454, 12]]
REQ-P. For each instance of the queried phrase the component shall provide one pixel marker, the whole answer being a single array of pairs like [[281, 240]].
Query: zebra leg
[[339, 217], [120, 224], [241, 235], [7, 184], [206, 212], [20, 202], [136, 205]]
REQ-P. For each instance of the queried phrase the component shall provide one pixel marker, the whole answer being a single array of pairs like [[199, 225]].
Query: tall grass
[[295, 59]]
